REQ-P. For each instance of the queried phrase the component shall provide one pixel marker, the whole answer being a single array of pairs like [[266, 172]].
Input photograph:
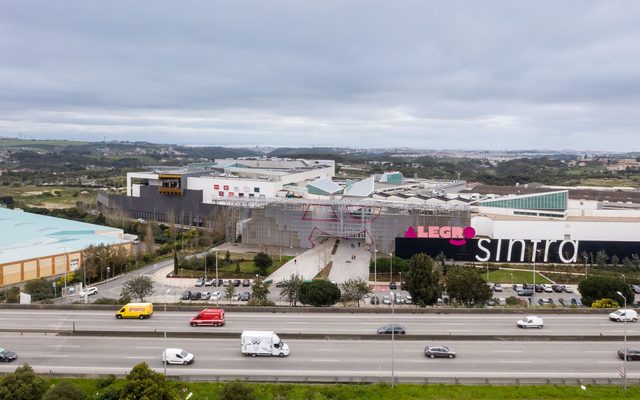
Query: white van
[[177, 356], [624, 315], [530, 321]]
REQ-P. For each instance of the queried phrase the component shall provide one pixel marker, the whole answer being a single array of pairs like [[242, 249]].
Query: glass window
[[256, 190]]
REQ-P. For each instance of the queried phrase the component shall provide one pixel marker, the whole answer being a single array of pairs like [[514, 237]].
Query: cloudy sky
[[442, 75]]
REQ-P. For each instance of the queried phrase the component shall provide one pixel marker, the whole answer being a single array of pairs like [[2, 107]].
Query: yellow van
[[135, 310]]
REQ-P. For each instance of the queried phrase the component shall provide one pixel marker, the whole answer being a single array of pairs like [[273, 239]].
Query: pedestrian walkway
[[307, 264], [351, 261]]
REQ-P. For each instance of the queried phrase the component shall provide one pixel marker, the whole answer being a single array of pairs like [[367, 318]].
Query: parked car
[[393, 286], [548, 301], [196, 296], [200, 282], [525, 292], [374, 300], [635, 289], [7, 356], [386, 299], [539, 288], [206, 295], [563, 302], [497, 287], [90, 291], [516, 287], [576, 302], [439, 351], [567, 289], [281, 283], [632, 354], [186, 295], [218, 283], [624, 315], [237, 282], [556, 288], [209, 282], [527, 286], [246, 283], [388, 329], [215, 296], [245, 296], [409, 299], [226, 283], [547, 288], [531, 321]]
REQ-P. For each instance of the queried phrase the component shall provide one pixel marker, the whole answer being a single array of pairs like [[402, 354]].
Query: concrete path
[[306, 264], [351, 261]]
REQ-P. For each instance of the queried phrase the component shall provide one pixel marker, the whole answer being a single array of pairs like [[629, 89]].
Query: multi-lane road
[[363, 359], [321, 323]]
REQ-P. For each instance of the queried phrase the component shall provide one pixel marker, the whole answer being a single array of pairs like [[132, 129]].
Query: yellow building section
[[30, 270]]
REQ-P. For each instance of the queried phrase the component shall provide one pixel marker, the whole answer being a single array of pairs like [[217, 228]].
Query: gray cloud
[[491, 74]]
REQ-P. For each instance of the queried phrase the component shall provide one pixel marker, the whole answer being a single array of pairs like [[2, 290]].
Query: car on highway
[[439, 352], [531, 321], [90, 291], [199, 282], [177, 356], [246, 283], [186, 295], [374, 300], [547, 288], [624, 315], [497, 287], [7, 356], [632, 354], [389, 329]]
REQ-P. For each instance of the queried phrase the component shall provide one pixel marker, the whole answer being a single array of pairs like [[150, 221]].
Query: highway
[[321, 358], [321, 323]]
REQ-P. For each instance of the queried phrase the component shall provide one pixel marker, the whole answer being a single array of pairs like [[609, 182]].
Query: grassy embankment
[[210, 391]]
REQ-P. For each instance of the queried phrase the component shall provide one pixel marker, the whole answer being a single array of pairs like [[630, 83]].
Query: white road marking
[[55, 355], [141, 357], [507, 351], [515, 361]]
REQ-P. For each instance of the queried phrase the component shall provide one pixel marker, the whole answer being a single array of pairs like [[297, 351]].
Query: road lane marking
[[598, 351], [63, 345], [507, 351], [324, 360], [55, 355], [610, 362], [515, 361], [144, 347], [141, 357]]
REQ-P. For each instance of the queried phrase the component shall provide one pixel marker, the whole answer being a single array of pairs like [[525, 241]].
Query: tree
[[64, 390], [12, 295], [23, 384], [143, 383], [603, 287], [290, 291], [39, 289], [354, 290], [229, 292], [422, 281], [262, 262], [319, 293], [465, 285], [176, 264], [138, 287], [602, 258], [149, 239], [605, 303], [260, 293]]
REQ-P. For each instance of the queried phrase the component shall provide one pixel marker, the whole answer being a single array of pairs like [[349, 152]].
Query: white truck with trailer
[[263, 343]]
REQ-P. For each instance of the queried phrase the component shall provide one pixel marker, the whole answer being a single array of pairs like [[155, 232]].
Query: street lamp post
[[108, 270], [624, 372], [217, 282], [393, 330], [181, 283], [391, 267], [165, 333], [375, 267], [205, 265], [535, 257]]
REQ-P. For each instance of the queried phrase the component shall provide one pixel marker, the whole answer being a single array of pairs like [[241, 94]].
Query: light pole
[[375, 267], [181, 283], [624, 372], [393, 330], [535, 257], [165, 333], [108, 270], [217, 282], [391, 266]]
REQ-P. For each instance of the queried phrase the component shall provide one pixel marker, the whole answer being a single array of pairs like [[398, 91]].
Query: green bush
[[237, 391], [319, 293], [605, 303], [64, 390]]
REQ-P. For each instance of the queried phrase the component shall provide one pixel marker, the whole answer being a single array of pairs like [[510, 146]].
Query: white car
[[547, 288], [386, 300], [624, 315], [88, 291], [177, 356], [531, 321], [215, 296]]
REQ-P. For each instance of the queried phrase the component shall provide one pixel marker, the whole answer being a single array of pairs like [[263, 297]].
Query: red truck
[[209, 316]]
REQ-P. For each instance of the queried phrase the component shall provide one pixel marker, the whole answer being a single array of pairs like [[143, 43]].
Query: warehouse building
[[35, 246]]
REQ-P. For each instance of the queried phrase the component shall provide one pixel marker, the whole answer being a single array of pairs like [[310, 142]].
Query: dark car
[[527, 286], [525, 292], [556, 288], [281, 283], [246, 283], [563, 302], [186, 295], [539, 288], [7, 356], [576, 302], [245, 296], [237, 282], [632, 354], [439, 351], [393, 286], [374, 300], [388, 329], [196, 296], [199, 282]]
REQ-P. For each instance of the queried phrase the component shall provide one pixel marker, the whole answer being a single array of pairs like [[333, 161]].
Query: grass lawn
[[210, 391], [50, 196], [505, 276], [247, 267]]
